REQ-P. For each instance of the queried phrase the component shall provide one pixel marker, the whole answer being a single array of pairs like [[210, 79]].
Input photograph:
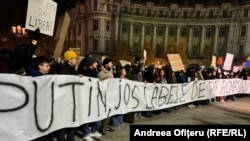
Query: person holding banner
[[88, 67], [106, 71], [138, 69], [129, 117], [69, 68], [212, 74], [221, 75], [40, 66], [117, 120]]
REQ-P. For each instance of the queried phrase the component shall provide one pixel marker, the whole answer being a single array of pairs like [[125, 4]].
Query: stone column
[[142, 34], [178, 36], [154, 36], [190, 39], [166, 37], [216, 39], [202, 39], [131, 35], [116, 29], [230, 38]]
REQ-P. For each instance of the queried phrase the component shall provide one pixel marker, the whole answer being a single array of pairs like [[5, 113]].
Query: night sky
[[13, 12]]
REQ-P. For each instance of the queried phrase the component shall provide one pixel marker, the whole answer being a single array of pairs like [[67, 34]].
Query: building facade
[[220, 27]]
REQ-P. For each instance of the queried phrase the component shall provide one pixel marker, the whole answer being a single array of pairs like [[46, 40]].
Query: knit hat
[[69, 55], [106, 61], [90, 61]]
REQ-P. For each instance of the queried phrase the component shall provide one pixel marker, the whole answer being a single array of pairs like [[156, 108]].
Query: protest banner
[[41, 14], [35, 106]]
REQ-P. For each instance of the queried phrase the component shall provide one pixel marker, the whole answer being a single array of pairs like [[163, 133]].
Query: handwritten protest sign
[[213, 63], [41, 14], [35, 106], [175, 62], [228, 61]]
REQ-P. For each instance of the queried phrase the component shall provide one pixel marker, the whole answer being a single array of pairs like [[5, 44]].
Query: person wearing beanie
[[88, 68], [85, 64], [69, 55], [69, 68], [106, 71], [106, 61]]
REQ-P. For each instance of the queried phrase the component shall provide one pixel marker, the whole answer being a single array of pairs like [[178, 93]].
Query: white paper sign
[[144, 53], [228, 61], [41, 14]]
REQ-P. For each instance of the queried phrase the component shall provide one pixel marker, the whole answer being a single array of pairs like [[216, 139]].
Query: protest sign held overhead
[[213, 63], [175, 62], [228, 61], [41, 14]]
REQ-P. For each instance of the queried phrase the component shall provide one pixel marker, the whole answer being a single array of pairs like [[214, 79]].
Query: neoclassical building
[[220, 26]]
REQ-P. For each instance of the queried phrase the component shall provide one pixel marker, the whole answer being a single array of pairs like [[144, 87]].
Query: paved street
[[231, 112]]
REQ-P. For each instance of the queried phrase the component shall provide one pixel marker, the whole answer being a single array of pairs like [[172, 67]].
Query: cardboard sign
[[124, 62], [41, 14], [213, 63], [175, 62]]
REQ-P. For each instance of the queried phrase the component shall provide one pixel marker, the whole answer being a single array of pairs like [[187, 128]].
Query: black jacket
[[67, 69]]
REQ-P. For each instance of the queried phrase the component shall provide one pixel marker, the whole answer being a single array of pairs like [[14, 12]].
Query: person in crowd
[[69, 68], [220, 75], [55, 65], [192, 76], [22, 55], [138, 69], [40, 66], [5, 55], [161, 79], [117, 120], [183, 76], [88, 67], [230, 75], [168, 72], [150, 74], [106, 71], [211, 75], [129, 117]]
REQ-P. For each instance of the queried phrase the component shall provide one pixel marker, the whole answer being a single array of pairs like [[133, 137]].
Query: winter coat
[[105, 74], [67, 69]]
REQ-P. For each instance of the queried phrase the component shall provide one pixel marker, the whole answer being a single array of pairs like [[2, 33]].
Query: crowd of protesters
[[22, 62]]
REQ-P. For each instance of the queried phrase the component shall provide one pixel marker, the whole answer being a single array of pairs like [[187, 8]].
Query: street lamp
[[19, 31]]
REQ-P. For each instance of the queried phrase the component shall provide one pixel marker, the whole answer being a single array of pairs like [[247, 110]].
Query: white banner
[[41, 14], [34, 106]]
